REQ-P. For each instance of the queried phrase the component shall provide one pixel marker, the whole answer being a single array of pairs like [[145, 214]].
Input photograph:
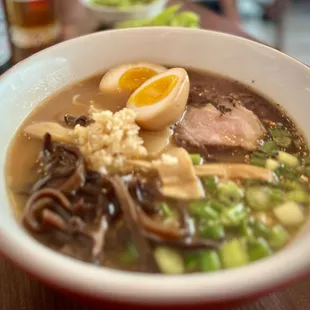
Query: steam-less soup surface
[[160, 170]]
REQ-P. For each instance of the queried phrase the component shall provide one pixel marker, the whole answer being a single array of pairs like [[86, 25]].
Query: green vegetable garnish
[[259, 249], [121, 4], [258, 159], [196, 159], [298, 196], [246, 230], [169, 261], [287, 159], [186, 19], [209, 261], [286, 173], [232, 217], [278, 236], [263, 197], [281, 137], [258, 197], [233, 254], [260, 229], [269, 147], [169, 17], [166, 210], [202, 210], [213, 230], [191, 262], [229, 192], [211, 185]]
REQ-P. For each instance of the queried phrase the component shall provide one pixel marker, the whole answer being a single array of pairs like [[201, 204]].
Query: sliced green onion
[[298, 196], [283, 141], [287, 159], [202, 210], [211, 185], [281, 137], [258, 197], [197, 207], [213, 230], [166, 16], [289, 214], [209, 261], [260, 229], [186, 19], [191, 262], [290, 185], [234, 254], [246, 230], [210, 213], [196, 159], [166, 210], [232, 217], [169, 261], [286, 172], [269, 147], [272, 164], [259, 155], [259, 249], [276, 196], [278, 237], [217, 205], [257, 161], [229, 192]]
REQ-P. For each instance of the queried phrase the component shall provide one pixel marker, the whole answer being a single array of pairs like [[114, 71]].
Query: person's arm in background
[[230, 10]]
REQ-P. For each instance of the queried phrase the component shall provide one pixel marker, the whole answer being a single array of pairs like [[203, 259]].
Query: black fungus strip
[[72, 121]]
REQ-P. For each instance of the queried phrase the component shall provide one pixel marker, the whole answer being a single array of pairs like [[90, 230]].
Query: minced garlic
[[110, 140]]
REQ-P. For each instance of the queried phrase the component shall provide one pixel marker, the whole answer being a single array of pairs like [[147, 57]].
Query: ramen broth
[[217, 233]]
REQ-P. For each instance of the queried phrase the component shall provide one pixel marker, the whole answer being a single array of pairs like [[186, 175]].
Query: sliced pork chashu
[[233, 126]]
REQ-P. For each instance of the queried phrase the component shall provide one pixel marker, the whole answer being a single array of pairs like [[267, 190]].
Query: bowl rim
[[104, 283], [111, 9]]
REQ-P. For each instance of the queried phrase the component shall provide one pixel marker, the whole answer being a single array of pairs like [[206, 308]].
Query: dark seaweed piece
[[146, 194], [61, 166], [71, 121], [43, 211], [223, 109]]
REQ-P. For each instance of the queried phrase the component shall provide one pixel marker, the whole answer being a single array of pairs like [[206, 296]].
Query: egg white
[[110, 81], [166, 111]]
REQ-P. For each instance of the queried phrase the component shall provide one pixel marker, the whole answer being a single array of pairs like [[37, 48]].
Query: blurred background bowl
[[108, 15]]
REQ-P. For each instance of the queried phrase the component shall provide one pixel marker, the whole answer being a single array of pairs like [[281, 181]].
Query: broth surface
[[75, 100]]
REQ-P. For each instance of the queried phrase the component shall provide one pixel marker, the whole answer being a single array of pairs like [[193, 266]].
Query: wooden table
[[20, 292]]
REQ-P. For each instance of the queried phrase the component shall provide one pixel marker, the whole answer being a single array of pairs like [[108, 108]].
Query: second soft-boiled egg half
[[127, 78], [161, 100]]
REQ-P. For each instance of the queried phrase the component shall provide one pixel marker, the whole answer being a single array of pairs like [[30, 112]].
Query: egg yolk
[[155, 91], [134, 78]]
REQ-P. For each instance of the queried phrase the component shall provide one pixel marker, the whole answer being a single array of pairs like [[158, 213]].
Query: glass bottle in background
[[33, 26], [5, 48]]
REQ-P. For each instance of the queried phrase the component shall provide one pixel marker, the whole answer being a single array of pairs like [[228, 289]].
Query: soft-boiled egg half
[[127, 78], [161, 100]]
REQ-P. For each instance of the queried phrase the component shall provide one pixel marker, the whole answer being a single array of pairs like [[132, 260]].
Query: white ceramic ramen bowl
[[22, 88], [108, 15]]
